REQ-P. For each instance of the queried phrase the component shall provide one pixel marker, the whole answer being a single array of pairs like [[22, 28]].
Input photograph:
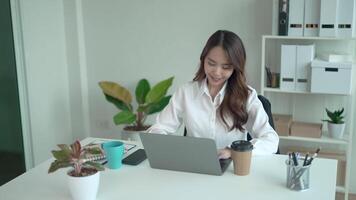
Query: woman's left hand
[[224, 153]]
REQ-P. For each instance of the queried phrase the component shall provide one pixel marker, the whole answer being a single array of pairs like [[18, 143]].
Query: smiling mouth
[[216, 79]]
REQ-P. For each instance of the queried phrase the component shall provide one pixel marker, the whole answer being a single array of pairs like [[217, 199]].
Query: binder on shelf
[[288, 62], [283, 17], [305, 55], [328, 18], [311, 17], [296, 16], [345, 18]]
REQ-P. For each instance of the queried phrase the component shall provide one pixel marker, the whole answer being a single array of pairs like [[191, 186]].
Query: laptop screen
[[189, 154]]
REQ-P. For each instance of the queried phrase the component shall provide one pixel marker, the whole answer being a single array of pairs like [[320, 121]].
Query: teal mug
[[114, 150]]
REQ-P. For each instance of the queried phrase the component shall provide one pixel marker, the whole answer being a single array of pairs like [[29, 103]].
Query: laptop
[[188, 154]]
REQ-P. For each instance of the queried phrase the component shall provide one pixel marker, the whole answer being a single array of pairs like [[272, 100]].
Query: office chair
[[267, 106]]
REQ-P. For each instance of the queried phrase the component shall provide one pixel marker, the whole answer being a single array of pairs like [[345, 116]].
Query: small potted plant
[[83, 178], [336, 125], [149, 101]]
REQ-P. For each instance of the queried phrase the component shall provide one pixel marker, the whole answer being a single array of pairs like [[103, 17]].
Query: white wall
[[154, 39], [75, 54], [67, 52], [46, 74]]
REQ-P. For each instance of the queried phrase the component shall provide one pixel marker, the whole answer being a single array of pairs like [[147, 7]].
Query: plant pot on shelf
[[85, 187], [336, 130]]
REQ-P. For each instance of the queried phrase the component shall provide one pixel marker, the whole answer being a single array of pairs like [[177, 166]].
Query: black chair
[[267, 106]]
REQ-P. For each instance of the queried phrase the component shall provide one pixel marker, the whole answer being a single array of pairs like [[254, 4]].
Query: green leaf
[[158, 91], [143, 87], [335, 117], [329, 113], [118, 103], [117, 91], [142, 108], [95, 165], [340, 112], [157, 107], [61, 155], [124, 117], [65, 148], [57, 165]]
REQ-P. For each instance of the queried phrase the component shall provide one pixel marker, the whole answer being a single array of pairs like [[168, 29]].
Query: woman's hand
[[224, 153]]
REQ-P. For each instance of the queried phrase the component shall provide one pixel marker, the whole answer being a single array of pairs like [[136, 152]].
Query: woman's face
[[217, 67]]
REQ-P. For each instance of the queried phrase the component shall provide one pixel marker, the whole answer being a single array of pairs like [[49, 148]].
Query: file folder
[[345, 18], [283, 17], [296, 17], [328, 18], [288, 62], [305, 55], [311, 17]]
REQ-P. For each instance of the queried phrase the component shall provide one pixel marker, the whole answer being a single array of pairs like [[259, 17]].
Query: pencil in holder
[[298, 176]]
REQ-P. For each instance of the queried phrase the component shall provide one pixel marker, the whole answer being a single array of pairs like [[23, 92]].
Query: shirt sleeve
[[264, 137], [169, 119]]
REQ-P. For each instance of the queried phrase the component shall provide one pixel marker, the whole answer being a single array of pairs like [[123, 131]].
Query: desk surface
[[266, 180]]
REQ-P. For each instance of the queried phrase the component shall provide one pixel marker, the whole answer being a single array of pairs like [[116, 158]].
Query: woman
[[218, 103]]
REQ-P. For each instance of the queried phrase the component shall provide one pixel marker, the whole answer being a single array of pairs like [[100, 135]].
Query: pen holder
[[298, 176]]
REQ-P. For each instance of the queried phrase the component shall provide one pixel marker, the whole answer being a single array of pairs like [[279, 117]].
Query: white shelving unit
[[307, 106]]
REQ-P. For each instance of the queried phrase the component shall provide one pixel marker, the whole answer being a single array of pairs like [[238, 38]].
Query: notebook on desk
[[189, 154]]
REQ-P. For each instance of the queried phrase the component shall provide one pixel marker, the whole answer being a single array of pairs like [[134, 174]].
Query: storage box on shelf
[[282, 124], [303, 129], [309, 107], [331, 77]]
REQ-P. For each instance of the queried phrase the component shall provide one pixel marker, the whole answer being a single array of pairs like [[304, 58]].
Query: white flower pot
[[84, 188], [336, 130], [131, 135]]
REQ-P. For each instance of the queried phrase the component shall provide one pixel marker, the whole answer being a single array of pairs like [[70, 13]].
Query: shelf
[[277, 90], [311, 104], [340, 189], [323, 139], [304, 38]]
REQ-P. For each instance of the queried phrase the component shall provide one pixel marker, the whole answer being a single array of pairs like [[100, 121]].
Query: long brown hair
[[237, 91]]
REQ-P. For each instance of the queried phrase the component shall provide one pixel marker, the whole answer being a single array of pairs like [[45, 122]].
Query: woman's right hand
[[224, 153]]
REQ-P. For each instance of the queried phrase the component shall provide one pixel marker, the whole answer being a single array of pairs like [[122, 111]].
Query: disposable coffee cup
[[241, 152]]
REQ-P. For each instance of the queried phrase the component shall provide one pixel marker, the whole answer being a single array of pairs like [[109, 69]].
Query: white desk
[[266, 180]]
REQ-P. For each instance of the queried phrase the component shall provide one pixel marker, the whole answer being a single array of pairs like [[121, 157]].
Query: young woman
[[218, 103]]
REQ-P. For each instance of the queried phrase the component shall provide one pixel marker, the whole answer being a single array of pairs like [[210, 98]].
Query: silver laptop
[[189, 154]]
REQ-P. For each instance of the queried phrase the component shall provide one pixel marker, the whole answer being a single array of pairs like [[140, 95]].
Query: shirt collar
[[203, 88]]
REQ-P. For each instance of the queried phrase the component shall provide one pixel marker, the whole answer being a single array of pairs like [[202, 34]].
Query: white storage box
[[331, 77]]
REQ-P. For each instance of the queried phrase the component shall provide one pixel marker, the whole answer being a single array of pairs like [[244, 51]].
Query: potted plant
[[149, 101], [83, 178], [336, 125]]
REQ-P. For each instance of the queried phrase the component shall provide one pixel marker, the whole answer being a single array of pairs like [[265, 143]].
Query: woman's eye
[[211, 64], [227, 67]]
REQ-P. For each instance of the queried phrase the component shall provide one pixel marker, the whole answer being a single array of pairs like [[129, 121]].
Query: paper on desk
[[101, 158]]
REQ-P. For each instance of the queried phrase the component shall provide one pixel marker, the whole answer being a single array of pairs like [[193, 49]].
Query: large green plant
[[149, 101], [335, 117], [77, 157]]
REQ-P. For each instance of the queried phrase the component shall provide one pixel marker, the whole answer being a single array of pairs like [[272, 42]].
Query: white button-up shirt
[[192, 105]]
